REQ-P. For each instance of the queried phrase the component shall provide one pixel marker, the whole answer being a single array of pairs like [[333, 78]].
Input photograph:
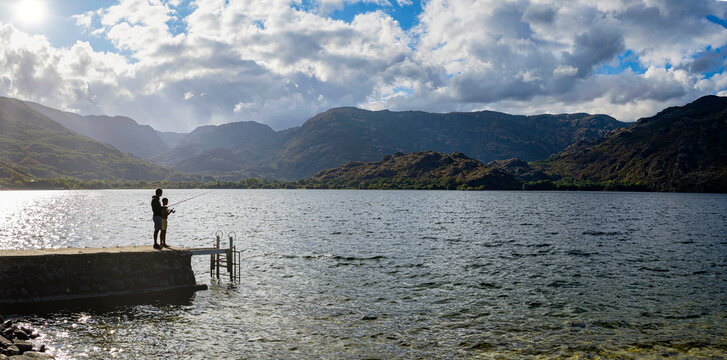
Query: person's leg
[[164, 233], [157, 228]]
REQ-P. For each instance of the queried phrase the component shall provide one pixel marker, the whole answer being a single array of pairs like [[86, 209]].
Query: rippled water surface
[[403, 274]]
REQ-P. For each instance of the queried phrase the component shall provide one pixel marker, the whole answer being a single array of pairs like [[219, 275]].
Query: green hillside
[[678, 149], [35, 145], [12, 172]]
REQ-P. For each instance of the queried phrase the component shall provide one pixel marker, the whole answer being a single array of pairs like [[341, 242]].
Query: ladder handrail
[[230, 258]]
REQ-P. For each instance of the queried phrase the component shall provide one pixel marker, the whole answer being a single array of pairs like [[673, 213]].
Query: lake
[[402, 274]]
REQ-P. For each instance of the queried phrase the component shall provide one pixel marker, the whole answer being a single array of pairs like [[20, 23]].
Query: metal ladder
[[229, 258]]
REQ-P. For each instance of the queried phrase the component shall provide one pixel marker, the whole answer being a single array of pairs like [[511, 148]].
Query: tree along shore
[[369, 184]]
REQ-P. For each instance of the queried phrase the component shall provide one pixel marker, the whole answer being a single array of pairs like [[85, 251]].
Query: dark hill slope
[[679, 149], [520, 169], [350, 134], [419, 170], [216, 149], [33, 143], [121, 132]]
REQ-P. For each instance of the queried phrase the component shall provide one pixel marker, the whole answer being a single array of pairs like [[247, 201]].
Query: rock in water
[[20, 334], [5, 343], [12, 350], [23, 345]]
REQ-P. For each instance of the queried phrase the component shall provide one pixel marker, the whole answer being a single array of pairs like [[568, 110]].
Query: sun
[[30, 12]]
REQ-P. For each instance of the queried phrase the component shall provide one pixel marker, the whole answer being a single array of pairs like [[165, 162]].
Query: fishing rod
[[190, 198]]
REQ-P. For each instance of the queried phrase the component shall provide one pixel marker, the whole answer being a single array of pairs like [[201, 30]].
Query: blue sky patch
[[718, 21], [177, 25], [407, 15], [626, 60], [403, 89]]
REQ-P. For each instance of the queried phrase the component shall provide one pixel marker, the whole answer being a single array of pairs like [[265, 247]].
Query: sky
[[179, 64]]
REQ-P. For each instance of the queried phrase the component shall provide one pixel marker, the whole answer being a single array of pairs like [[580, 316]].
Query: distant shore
[[375, 184]]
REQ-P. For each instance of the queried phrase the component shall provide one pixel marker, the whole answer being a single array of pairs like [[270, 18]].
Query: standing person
[[156, 207], [165, 215]]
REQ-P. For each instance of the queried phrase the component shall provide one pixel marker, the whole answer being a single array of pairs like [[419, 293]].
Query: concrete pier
[[55, 275]]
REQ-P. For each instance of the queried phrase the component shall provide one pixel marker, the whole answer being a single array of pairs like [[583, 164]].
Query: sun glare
[[30, 12]]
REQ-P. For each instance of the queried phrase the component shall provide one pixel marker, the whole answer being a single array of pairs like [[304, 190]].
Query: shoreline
[[2, 189], [17, 341]]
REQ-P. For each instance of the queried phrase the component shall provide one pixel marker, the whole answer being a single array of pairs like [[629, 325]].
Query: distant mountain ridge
[[223, 148], [243, 149], [350, 134], [121, 132], [679, 149], [341, 135]]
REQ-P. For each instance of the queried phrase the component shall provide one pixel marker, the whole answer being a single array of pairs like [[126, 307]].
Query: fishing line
[[190, 198]]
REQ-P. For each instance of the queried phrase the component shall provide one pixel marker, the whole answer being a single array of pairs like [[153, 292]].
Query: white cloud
[[84, 20], [491, 47], [68, 78], [565, 70], [277, 63]]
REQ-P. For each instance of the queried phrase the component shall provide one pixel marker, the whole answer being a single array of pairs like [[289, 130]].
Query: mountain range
[[243, 149], [224, 148], [678, 149], [341, 135]]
